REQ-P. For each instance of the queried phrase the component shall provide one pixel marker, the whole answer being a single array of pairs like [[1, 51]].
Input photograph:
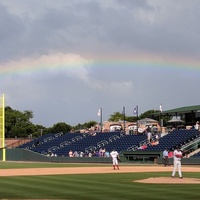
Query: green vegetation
[[117, 186], [95, 186], [18, 165], [18, 124]]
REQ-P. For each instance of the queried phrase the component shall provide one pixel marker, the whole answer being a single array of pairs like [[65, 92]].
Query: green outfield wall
[[126, 157]]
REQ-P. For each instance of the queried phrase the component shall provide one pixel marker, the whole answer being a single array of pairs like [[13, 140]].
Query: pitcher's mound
[[169, 180]]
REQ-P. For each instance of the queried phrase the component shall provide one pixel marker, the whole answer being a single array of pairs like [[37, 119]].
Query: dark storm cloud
[[125, 26], [64, 35], [135, 4], [11, 32]]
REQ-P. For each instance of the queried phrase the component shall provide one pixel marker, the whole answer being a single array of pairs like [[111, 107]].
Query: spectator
[[143, 147], [81, 154], [196, 126], [107, 154], [75, 154], [149, 135], [154, 142], [97, 154], [100, 152], [52, 154], [103, 152], [90, 154], [70, 153]]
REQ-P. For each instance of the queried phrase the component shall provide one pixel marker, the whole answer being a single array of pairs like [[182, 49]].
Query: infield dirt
[[103, 169]]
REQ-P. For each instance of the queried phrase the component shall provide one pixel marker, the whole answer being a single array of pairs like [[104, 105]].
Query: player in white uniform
[[177, 162], [114, 155]]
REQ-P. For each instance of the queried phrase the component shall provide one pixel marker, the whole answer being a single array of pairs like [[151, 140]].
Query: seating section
[[176, 138], [88, 143], [41, 140], [61, 144], [127, 142], [197, 155], [53, 142]]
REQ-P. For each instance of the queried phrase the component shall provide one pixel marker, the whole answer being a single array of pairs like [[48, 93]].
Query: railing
[[113, 138], [52, 149], [132, 148], [48, 139], [65, 143], [90, 149], [58, 134], [77, 138], [102, 143], [191, 147]]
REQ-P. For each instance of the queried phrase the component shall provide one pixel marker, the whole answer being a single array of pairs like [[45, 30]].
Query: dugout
[[141, 156]]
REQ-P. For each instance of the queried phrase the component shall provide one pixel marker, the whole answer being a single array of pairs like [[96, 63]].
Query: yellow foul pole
[[4, 150], [2, 127]]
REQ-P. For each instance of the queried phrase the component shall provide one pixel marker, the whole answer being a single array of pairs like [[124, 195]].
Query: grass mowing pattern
[[119, 186], [20, 165]]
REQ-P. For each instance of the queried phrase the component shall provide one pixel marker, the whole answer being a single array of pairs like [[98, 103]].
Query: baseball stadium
[[42, 168]]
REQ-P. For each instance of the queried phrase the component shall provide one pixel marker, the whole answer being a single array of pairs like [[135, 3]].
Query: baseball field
[[96, 182]]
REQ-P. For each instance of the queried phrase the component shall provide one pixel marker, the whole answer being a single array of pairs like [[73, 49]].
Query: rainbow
[[43, 63], [62, 61], [151, 60]]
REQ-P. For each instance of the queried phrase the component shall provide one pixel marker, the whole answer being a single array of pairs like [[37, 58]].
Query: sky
[[65, 59]]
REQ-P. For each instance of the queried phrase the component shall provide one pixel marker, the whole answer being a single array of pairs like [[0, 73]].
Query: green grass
[[18, 165], [117, 186]]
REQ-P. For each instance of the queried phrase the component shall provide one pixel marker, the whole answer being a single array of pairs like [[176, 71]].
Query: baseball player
[[177, 162], [115, 156]]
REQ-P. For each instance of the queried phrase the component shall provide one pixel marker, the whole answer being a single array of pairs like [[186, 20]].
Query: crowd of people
[[152, 138], [51, 154], [101, 153]]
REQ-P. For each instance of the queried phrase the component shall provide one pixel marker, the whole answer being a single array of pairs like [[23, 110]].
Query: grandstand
[[60, 144], [128, 143]]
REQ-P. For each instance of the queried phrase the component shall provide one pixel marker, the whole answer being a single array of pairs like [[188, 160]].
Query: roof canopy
[[175, 121], [147, 120], [181, 110]]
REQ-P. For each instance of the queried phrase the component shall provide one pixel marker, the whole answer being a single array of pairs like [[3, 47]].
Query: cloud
[[65, 59], [99, 27], [54, 63]]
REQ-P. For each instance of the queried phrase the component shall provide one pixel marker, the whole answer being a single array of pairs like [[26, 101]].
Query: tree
[[86, 125], [78, 126], [90, 124], [131, 119], [117, 116], [60, 127], [39, 131], [17, 124], [28, 114], [147, 114]]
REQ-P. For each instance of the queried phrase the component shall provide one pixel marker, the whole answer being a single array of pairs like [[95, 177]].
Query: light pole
[[41, 130], [124, 118], [101, 121]]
